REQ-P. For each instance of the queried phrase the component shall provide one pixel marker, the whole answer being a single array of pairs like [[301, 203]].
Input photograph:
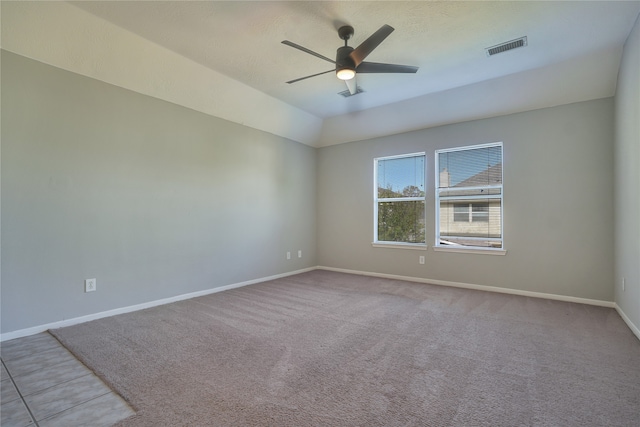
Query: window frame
[[483, 199], [385, 243]]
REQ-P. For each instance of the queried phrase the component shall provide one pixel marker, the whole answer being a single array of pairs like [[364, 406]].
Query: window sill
[[481, 251], [412, 246]]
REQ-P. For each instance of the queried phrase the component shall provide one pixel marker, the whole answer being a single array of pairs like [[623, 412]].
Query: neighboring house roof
[[490, 176]]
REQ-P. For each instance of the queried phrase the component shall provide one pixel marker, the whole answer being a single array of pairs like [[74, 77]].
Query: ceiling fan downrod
[[345, 65]]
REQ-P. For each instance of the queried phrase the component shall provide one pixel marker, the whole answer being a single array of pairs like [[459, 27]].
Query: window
[[469, 197], [461, 212], [471, 212], [399, 199], [479, 212]]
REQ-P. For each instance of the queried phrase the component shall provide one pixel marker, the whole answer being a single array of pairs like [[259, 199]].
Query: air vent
[[347, 94], [510, 45]]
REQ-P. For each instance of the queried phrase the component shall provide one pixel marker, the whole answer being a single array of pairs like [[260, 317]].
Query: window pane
[[401, 177], [469, 196], [476, 167], [485, 223], [401, 222]]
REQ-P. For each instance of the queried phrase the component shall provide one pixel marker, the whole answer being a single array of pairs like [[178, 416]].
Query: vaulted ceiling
[[573, 54]]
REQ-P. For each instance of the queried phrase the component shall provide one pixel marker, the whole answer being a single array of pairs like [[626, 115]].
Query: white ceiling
[[445, 39], [573, 53]]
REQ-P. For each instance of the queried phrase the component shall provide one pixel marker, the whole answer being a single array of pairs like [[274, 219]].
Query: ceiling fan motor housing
[[343, 60]]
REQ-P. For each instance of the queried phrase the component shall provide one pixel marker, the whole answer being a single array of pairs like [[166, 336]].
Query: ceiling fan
[[350, 61]]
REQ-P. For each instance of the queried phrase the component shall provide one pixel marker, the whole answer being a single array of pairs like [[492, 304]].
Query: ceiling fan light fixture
[[346, 73], [349, 59]]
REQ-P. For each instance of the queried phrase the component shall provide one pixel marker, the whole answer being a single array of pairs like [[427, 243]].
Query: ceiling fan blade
[[351, 85], [367, 46], [376, 67], [312, 75], [310, 52]]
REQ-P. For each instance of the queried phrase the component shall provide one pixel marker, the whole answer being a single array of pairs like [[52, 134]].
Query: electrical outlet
[[300, 254], [288, 255], [421, 260], [90, 285]]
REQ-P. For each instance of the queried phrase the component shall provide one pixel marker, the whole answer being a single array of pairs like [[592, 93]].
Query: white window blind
[[469, 197], [399, 199]]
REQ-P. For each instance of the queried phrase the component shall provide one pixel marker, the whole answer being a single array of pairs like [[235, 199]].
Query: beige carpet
[[332, 349]]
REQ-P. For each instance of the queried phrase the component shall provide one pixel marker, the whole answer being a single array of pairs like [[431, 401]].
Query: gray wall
[[156, 200], [558, 203], [627, 179], [152, 199]]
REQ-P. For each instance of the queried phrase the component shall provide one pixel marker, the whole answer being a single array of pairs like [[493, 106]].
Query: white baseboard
[[599, 303], [69, 322], [628, 321]]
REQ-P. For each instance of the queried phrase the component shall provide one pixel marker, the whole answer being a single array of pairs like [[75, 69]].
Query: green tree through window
[[400, 199]]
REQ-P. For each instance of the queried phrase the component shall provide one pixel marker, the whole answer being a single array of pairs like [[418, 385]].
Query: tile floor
[[45, 385]]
